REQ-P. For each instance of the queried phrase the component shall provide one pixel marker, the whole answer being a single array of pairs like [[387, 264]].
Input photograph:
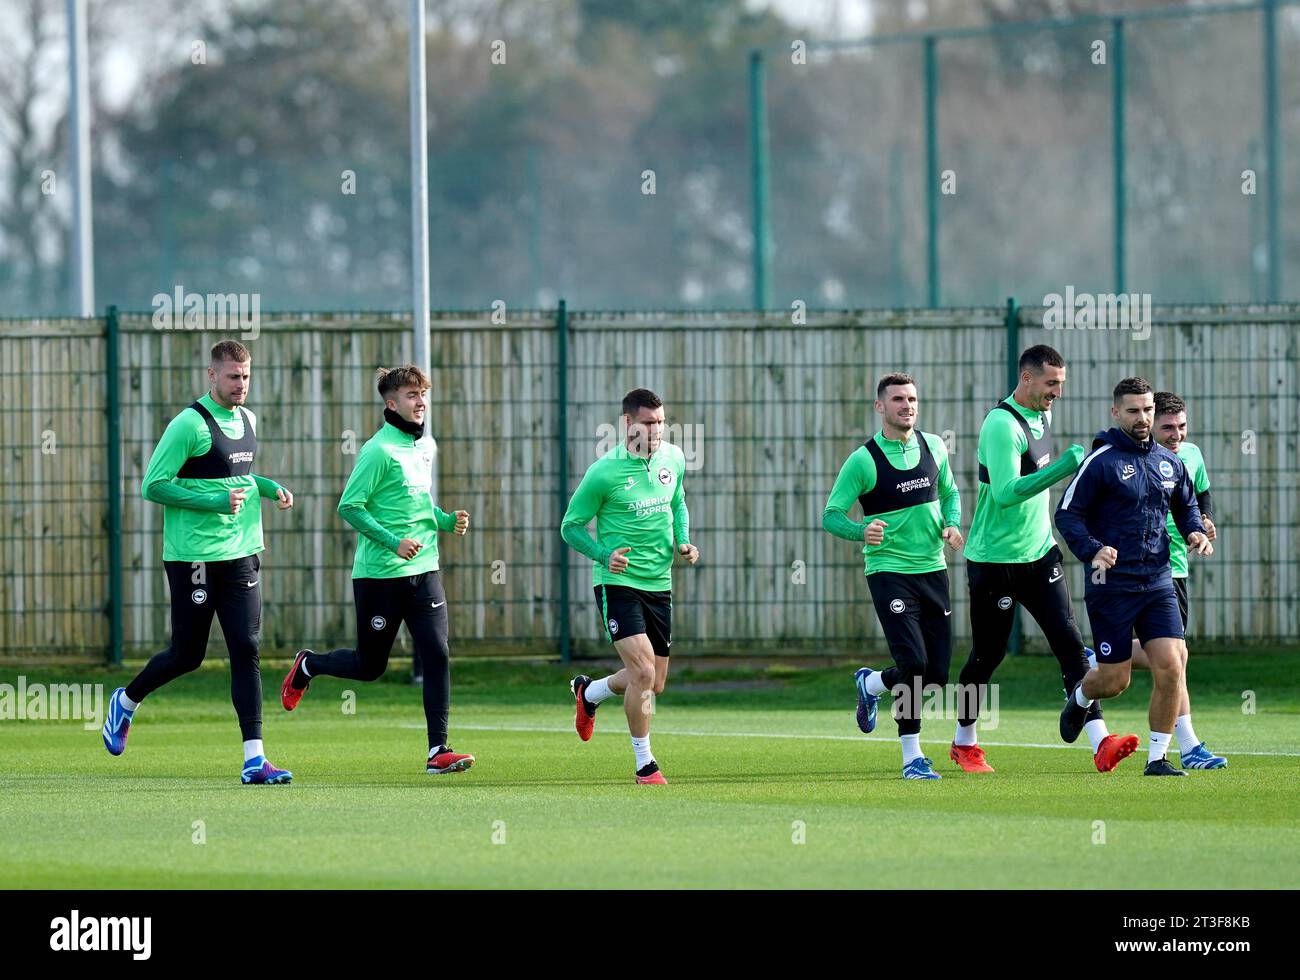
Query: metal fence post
[[896, 223], [1016, 640], [1117, 143], [562, 477], [1256, 229], [758, 153], [932, 169], [114, 449], [1272, 163], [1012, 322], [534, 225]]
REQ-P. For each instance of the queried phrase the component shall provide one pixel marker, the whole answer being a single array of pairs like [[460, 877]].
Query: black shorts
[[1180, 586], [625, 611], [1116, 615], [916, 618]]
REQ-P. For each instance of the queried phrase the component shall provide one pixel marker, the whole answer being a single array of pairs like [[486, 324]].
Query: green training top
[[1013, 520], [913, 541], [387, 498], [638, 503], [197, 523], [1190, 454]]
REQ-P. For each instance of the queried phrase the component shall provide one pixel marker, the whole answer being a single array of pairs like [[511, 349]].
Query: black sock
[[312, 665]]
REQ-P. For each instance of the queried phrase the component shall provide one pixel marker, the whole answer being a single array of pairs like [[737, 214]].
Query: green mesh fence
[[954, 168], [962, 166]]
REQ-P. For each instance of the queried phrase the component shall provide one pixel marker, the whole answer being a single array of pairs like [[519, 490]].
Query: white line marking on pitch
[[823, 738]]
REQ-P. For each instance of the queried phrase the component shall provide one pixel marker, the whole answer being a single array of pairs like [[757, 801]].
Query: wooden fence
[[766, 410]]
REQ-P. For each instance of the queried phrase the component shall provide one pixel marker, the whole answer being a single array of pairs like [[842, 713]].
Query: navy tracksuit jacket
[[1120, 497]]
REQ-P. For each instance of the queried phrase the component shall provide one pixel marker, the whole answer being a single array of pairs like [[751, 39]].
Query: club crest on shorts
[[665, 476], [613, 626], [1004, 602], [1166, 469], [1104, 649], [200, 596], [377, 623], [897, 605]]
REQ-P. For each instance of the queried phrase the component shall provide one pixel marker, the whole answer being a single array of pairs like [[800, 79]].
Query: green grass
[[362, 813]]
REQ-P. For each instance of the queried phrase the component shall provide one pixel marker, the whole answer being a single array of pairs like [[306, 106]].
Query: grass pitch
[[771, 785]]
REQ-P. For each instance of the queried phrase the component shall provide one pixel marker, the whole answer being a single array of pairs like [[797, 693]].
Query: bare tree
[[32, 146]]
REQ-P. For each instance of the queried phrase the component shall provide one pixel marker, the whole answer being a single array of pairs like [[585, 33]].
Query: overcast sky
[[829, 18]]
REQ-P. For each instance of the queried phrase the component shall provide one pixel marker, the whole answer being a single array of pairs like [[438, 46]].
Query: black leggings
[[1040, 587], [383, 604], [232, 590]]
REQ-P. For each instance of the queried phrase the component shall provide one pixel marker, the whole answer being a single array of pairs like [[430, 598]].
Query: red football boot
[[1113, 750], [583, 720], [649, 775], [969, 757], [290, 695], [448, 761]]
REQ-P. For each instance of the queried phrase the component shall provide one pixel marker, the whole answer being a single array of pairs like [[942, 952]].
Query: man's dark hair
[[639, 398], [230, 350], [1040, 355], [897, 378], [390, 380], [1167, 403], [1130, 386]]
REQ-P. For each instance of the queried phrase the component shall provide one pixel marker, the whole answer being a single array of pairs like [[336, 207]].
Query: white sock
[[252, 749], [911, 746], [598, 691], [1159, 746], [875, 683], [641, 746], [1092, 660], [1187, 739], [1095, 730], [1082, 700], [965, 735], [126, 702]]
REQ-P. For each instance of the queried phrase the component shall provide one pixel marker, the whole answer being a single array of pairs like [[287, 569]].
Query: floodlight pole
[[758, 161], [83, 244], [1118, 150], [419, 190], [1273, 166]]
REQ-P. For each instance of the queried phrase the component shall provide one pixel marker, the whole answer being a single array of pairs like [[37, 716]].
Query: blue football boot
[[258, 771], [920, 769], [866, 702]]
